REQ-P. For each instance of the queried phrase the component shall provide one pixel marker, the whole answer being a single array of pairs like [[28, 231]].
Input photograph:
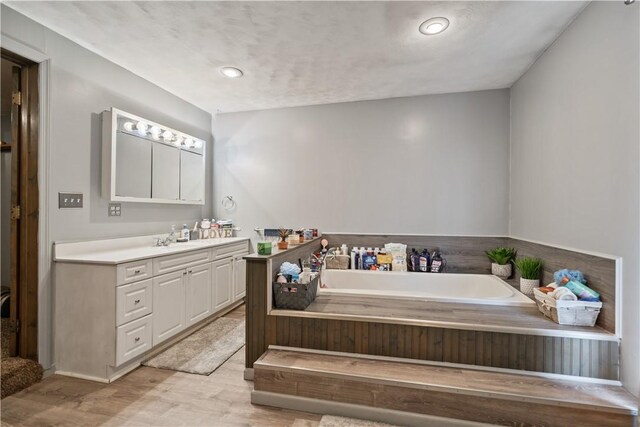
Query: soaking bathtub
[[444, 287]]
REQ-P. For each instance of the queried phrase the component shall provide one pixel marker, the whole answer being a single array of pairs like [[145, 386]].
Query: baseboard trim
[[248, 374], [83, 377], [325, 407]]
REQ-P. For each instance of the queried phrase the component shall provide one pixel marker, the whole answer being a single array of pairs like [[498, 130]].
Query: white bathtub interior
[[444, 287]]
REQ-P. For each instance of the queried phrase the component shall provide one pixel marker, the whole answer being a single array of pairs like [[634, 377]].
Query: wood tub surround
[[260, 276], [473, 334], [286, 376], [466, 254]]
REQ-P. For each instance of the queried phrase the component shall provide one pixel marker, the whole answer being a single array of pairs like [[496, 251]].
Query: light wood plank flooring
[[149, 396]]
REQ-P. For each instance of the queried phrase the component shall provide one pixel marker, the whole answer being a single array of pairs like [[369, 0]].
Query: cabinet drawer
[[134, 271], [170, 263], [230, 250], [133, 339], [133, 301]]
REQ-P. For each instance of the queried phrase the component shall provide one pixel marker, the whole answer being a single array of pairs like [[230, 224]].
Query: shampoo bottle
[[184, 233], [424, 261], [437, 262], [354, 258]]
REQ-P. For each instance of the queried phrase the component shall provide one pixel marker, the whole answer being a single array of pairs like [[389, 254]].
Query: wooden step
[[505, 398]]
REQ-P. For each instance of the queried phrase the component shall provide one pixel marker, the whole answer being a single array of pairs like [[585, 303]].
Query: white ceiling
[[304, 53]]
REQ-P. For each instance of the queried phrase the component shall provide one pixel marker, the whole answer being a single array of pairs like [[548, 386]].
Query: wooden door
[[168, 305], [198, 304], [11, 79], [24, 212], [239, 278], [222, 283]]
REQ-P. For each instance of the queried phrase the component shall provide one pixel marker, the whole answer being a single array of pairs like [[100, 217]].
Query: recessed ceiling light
[[434, 26], [231, 72]]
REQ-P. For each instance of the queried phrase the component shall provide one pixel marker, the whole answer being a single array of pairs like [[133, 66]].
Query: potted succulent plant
[[501, 259], [530, 270], [284, 233]]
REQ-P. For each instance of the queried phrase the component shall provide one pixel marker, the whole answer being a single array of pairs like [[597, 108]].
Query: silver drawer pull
[[137, 301], [137, 339], [136, 271]]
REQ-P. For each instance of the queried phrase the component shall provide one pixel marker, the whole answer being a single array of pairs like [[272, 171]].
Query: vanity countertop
[[118, 251]]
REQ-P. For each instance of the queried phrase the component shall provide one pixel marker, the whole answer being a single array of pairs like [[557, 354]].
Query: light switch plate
[[115, 209], [70, 200]]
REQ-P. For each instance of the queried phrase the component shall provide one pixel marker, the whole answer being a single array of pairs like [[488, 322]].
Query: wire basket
[[575, 313], [295, 296]]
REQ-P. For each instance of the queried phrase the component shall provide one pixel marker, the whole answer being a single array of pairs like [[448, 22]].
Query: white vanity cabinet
[[169, 305], [239, 277], [109, 317], [222, 282]]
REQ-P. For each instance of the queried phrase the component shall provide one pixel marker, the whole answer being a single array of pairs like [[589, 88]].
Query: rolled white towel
[[564, 294], [552, 285]]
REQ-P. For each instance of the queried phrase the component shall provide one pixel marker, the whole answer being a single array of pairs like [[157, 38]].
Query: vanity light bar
[[158, 133]]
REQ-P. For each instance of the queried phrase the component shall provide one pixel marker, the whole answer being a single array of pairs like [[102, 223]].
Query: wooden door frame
[[28, 248]]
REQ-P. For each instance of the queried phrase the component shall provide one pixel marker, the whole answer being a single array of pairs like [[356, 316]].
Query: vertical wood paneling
[[570, 356]]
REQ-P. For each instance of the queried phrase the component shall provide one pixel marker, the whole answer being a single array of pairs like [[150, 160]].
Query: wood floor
[[149, 396]]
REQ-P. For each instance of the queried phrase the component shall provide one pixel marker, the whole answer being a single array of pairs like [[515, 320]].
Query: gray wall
[[82, 85], [433, 164], [575, 151]]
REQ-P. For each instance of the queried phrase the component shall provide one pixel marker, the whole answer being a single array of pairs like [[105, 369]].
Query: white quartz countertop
[[118, 251]]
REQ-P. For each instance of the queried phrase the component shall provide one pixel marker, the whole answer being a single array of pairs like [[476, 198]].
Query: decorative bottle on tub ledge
[[437, 262]]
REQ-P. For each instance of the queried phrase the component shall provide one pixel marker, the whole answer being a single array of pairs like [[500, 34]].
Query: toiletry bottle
[[424, 261], [184, 233], [362, 254], [414, 260], [582, 291], [437, 262], [345, 250], [353, 265]]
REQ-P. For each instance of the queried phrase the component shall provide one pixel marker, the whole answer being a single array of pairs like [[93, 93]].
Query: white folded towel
[[564, 294]]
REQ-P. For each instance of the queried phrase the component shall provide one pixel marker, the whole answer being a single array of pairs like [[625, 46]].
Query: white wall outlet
[[115, 209], [70, 200]]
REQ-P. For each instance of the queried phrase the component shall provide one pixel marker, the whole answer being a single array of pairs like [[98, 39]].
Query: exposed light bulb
[[178, 140], [167, 135], [141, 127], [155, 132], [198, 144], [128, 126], [188, 142]]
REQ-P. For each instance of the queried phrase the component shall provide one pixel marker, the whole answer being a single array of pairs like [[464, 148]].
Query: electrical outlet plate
[[115, 209], [70, 200]]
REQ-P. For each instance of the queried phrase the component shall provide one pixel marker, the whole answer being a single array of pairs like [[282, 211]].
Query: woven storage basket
[[575, 313], [337, 262], [295, 296]]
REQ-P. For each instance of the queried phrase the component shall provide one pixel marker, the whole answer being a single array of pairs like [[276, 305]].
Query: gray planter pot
[[502, 271]]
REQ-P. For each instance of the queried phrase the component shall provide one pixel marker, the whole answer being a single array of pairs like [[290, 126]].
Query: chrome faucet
[[171, 238], [321, 259]]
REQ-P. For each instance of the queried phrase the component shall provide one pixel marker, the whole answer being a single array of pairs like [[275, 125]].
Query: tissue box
[[574, 313]]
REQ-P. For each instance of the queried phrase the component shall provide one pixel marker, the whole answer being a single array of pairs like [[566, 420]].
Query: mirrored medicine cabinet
[[146, 162]]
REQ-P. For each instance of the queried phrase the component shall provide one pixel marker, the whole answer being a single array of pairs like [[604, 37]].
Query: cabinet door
[[198, 284], [222, 283], [239, 278], [168, 305]]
